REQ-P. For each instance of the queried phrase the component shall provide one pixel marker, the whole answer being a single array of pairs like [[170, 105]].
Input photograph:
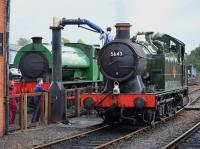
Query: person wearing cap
[[106, 37], [13, 102]]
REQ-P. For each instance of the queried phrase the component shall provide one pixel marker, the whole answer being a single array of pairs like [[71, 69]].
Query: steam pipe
[[79, 21], [125, 117], [7, 68]]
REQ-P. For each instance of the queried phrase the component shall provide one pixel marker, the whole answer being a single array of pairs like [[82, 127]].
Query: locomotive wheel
[[151, 115], [169, 109], [185, 100], [174, 109], [160, 112]]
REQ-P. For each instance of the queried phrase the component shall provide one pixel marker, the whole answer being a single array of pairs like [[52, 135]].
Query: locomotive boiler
[[79, 65], [145, 77]]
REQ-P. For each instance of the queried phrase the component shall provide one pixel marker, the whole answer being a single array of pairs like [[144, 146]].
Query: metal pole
[[7, 114], [7, 68], [57, 58], [57, 88]]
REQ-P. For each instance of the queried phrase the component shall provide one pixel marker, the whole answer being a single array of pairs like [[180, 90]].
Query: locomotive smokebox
[[37, 40], [122, 31], [123, 61]]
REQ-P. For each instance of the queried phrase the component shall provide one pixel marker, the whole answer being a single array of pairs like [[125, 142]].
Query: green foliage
[[194, 58], [80, 41], [23, 41], [65, 40]]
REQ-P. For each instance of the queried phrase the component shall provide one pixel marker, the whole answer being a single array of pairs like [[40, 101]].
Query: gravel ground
[[192, 142], [31, 137], [164, 133]]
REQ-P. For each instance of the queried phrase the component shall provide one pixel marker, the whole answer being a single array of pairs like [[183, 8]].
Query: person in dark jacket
[[38, 89]]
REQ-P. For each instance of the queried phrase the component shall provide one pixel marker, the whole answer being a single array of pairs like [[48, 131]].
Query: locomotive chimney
[[122, 31], [37, 40]]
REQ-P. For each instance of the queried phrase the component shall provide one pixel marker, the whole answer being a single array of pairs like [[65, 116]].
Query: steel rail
[[194, 100], [131, 135], [194, 91], [182, 137], [84, 134]]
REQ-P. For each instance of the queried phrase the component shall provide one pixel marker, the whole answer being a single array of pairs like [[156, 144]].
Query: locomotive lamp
[[116, 89]]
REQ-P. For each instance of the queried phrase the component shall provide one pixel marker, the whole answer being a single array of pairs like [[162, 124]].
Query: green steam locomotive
[[79, 64]]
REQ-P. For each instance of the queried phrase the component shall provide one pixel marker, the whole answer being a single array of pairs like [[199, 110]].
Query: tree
[[23, 41], [194, 58], [65, 40], [80, 41]]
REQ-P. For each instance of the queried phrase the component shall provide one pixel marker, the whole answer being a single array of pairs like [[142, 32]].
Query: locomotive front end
[[122, 60], [140, 76], [33, 60]]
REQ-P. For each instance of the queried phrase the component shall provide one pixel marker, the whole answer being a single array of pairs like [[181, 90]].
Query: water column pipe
[[57, 89], [79, 21]]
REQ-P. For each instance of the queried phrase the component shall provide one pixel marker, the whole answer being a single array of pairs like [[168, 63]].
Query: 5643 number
[[115, 54]]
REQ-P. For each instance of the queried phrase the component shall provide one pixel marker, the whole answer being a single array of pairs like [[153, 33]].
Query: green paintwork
[[30, 48], [78, 61], [92, 73], [166, 67], [167, 72], [74, 58]]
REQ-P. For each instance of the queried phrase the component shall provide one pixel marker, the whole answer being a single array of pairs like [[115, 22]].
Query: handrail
[[23, 102], [74, 95]]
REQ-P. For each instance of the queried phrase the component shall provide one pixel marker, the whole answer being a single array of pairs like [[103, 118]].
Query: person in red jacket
[[13, 102]]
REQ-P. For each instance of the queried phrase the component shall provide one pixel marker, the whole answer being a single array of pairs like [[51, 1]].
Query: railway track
[[180, 140], [90, 139], [193, 90], [134, 134], [105, 137], [98, 138]]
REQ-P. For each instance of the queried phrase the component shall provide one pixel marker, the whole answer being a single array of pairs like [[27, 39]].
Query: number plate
[[116, 53]]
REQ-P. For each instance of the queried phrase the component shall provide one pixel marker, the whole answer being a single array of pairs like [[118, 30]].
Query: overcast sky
[[178, 18]]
